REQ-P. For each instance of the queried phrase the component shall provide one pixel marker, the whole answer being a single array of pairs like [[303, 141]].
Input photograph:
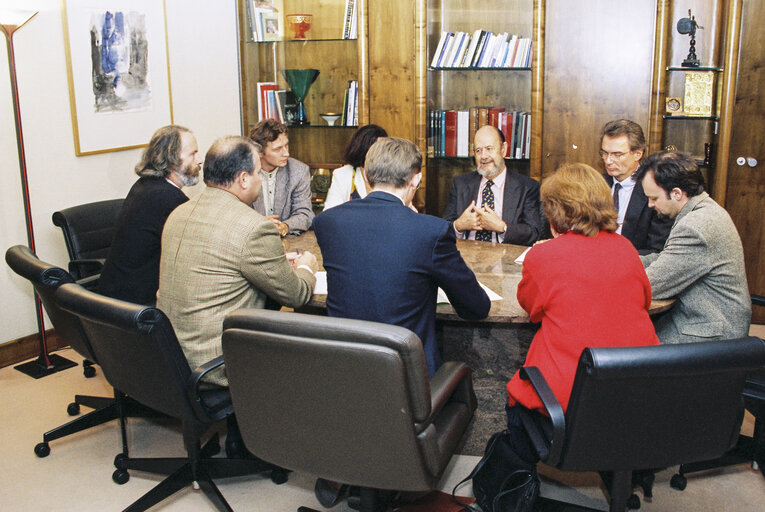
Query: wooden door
[[745, 198]]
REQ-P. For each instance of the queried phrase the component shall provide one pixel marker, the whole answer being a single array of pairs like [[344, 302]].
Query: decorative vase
[[299, 24], [300, 81]]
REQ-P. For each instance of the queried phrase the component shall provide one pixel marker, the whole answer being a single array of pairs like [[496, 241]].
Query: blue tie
[[487, 200]]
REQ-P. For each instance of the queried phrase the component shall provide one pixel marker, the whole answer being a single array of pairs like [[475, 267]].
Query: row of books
[[350, 115], [483, 49], [275, 103], [451, 132], [264, 21], [350, 30]]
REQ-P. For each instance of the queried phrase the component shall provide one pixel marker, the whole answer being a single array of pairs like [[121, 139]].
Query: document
[[519, 259]]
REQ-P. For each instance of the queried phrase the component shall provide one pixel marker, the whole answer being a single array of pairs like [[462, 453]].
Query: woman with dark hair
[[348, 181], [586, 286]]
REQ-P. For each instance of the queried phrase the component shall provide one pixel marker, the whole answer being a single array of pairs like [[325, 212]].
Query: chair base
[[38, 368], [180, 474], [620, 485]]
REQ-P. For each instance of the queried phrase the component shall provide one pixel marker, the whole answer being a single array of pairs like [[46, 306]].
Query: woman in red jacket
[[586, 286]]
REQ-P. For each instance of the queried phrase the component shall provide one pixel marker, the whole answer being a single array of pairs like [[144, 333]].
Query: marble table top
[[493, 264]]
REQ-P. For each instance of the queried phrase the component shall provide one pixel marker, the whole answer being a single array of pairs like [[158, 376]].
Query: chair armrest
[[195, 380], [90, 282], [758, 300], [86, 266], [452, 382], [553, 408]]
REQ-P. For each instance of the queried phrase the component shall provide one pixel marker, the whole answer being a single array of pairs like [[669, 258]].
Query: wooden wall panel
[[745, 199], [598, 56]]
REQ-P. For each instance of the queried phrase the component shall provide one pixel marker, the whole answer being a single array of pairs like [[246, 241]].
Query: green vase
[[300, 81]]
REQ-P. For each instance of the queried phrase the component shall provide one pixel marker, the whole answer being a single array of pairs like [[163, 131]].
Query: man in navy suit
[[385, 262], [492, 203], [622, 147]]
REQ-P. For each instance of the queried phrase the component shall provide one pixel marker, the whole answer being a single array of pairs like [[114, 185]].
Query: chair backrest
[[333, 397], [136, 348], [46, 279], [656, 406], [89, 229]]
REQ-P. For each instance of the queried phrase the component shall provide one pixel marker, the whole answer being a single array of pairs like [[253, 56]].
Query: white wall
[[204, 74]]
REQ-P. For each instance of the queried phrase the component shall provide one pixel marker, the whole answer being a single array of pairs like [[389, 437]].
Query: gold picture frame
[[118, 71]]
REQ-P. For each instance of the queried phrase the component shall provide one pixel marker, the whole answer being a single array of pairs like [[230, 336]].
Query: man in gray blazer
[[702, 263], [286, 197]]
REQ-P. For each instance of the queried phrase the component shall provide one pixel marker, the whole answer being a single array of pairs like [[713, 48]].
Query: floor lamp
[[45, 364]]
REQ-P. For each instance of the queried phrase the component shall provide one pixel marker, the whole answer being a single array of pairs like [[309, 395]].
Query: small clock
[[673, 105]]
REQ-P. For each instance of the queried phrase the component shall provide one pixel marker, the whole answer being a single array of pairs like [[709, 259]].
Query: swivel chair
[[88, 231], [346, 400], [139, 354], [644, 407], [45, 279], [747, 449]]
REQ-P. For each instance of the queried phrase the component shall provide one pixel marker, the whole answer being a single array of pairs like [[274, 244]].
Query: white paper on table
[[321, 284], [519, 259], [443, 299]]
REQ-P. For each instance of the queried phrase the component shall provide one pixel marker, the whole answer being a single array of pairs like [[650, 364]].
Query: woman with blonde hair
[[586, 286]]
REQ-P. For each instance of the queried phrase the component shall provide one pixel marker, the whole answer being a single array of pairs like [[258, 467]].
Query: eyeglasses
[[616, 156]]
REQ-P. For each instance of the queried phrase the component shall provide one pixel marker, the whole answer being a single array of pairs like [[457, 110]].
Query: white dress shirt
[[498, 187], [625, 193]]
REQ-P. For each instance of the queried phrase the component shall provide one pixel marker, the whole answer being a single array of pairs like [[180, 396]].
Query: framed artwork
[[119, 78]]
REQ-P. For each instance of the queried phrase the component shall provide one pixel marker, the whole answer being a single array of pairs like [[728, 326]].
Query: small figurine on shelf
[[688, 26], [708, 148]]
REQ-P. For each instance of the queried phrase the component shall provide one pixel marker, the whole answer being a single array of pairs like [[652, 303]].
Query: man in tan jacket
[[219, 255]]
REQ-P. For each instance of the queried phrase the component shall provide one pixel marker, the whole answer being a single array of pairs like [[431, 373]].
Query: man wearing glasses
[[492, 204], [622, 147]]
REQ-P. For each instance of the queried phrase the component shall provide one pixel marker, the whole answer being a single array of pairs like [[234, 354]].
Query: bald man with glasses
[[622, 147]]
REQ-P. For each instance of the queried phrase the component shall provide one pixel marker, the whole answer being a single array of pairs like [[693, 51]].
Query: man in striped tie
[[493, 204]]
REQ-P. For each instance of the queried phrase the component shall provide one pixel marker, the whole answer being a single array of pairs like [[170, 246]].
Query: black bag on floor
[[502, 480]]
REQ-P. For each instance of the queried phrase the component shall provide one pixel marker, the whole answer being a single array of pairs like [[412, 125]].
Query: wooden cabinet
[[458, 88], [705, 135], [338, 61]]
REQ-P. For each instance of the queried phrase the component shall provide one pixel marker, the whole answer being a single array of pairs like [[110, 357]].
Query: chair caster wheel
[[120, 476], [73, 409], [633, 503], [119, 460], [279, 476], [678, 482], [42, 450], [89, 372]]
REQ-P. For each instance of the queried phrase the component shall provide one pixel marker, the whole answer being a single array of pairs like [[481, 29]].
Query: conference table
[[494, 347]]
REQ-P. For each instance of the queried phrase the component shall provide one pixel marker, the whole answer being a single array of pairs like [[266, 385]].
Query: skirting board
[[21, 349]]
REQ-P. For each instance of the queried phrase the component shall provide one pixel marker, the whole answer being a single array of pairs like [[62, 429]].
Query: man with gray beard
[[493, 204], [171, 161]]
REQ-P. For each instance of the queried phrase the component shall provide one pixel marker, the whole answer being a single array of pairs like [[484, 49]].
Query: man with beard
[[493, 204], [622, 147], [170, 162], [702, 263]]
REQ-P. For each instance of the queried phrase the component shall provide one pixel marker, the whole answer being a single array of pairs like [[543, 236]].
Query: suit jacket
[[586, 292], [521, 209], [642, 225], [292, 197], [219, 255], [702, 265], [131, 271], [385, 263]]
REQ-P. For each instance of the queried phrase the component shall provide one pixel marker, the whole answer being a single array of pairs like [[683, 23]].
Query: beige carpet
[[76, 476]]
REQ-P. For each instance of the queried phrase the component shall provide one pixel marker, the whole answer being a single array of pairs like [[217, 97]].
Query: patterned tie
[[617, 188], [487, 200]]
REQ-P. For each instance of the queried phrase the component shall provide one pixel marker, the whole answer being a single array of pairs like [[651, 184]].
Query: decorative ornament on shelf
[[688, 26], [674, 106], [670, 147], [320, 180], [300, 81], [299, 24], [330, 117]]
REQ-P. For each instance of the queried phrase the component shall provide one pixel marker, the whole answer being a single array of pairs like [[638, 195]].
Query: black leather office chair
[[139, 354], [88, 232], [45, 279], [345, 400], [747, 449], [645, 407]]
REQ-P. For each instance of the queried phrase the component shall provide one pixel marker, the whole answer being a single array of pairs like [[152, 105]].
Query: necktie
[[487, 200], [617, 188]]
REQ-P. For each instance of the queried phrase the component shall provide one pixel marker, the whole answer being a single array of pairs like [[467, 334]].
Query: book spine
[[463, 122], [472, 128], [439, 50], [450, 133], [478, 49]]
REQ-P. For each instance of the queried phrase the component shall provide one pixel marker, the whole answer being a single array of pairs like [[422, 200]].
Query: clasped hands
[[283, 228], [476, 218]]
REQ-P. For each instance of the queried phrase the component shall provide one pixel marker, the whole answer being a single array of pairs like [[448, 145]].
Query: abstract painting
[[118, 72]]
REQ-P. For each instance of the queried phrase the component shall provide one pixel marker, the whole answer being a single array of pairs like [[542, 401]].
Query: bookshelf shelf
[[677, 68], [691, 118], [339, 60], [479, 69]]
